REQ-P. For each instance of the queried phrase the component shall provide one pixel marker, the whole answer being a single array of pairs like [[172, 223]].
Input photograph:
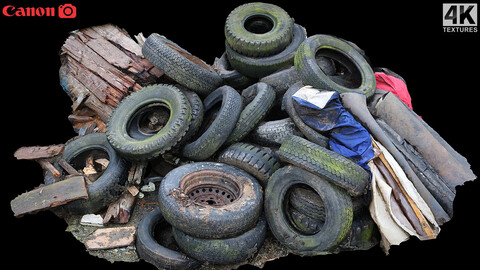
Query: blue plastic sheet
[[324, 112]]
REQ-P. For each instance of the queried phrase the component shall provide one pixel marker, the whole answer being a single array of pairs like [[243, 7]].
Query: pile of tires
[[250, 165]]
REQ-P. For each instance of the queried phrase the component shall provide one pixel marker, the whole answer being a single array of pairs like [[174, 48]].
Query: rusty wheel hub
[[210, 187]]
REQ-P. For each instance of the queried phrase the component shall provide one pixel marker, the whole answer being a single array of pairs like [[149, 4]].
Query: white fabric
[[314, 96]]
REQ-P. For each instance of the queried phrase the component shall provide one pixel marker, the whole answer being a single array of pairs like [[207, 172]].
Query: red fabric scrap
[[394, 85]]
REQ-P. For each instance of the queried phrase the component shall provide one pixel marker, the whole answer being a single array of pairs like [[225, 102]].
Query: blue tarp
[[324, 112]]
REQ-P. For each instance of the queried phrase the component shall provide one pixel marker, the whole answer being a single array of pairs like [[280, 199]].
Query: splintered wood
[[100, 66]]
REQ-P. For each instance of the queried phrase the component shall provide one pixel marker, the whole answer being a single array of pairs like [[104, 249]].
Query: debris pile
[[288, 143]]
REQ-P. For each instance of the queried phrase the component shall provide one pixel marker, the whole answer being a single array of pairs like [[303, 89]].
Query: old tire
[[210, 200], [152, 252], [332, 166], [337, 203], [217, 133], [178, 64], [341, 51], [258, 29], [229, 75], [134, 136], [260, 98], [224, 251], [258, 67], [251, 159], [105, 189], [273, 133]]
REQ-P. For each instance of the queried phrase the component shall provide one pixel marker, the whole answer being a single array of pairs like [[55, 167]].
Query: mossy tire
[[125, 130], [178, 64], [220, 129], [210, 200], [154, 253], [332, 166], [338, 205], [258, 29], [251, 159], [258, 67], [260, 98], [227, 250], [340, 50]]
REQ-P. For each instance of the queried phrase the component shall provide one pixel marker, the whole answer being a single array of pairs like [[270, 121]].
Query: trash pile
[[288, 143]]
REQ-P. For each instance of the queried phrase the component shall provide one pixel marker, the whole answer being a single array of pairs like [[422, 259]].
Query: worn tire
[[219, 130], [338, 205], [306, 201], [310, 133], [273, 133], [251, 159], [152, 252], [332, 166], [303, 223], [229, 75], [338, 49], [258, 67], [197, 114], [124, 125], [108, 187], [178, 64], [260, 98], [224, 251], [258, 29], [237, 195]]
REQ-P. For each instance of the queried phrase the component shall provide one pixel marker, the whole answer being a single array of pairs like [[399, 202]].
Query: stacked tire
[[218, 121], [215, 210]]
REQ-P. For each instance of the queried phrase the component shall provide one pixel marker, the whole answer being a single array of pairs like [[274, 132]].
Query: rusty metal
[[211, 187]]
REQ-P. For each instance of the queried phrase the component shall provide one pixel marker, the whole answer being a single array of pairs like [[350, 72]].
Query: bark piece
[[49, 196]]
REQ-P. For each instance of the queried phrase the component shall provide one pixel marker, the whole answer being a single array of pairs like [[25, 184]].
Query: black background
[[441, 70]]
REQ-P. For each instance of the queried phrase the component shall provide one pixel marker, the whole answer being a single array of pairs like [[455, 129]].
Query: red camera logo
[[65, 11]]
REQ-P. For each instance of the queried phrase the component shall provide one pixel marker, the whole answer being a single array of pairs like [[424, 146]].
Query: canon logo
[[64, 11]]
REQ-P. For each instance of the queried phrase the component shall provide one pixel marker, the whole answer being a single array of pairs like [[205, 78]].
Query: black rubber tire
[[258, 67], [332, 166], [306, 201], [335, 48], [224, 251], [180, 65], [338, 205], [289, 106], [108, 187], [259, 98], [305, 224], [281, 80], [363, 234], [179, 187], [152, 252], [219, 130], [273, 133], [241, 36], [229, 75], [137, 146], [197, 113], [251, 159]]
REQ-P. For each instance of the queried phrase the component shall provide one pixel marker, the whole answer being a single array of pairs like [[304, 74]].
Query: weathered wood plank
[[107, 238], [49, 196], [38, 152]]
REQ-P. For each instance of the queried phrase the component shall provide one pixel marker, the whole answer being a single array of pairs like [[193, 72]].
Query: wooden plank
[[49, 196], [38, 152], [108, 238]]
